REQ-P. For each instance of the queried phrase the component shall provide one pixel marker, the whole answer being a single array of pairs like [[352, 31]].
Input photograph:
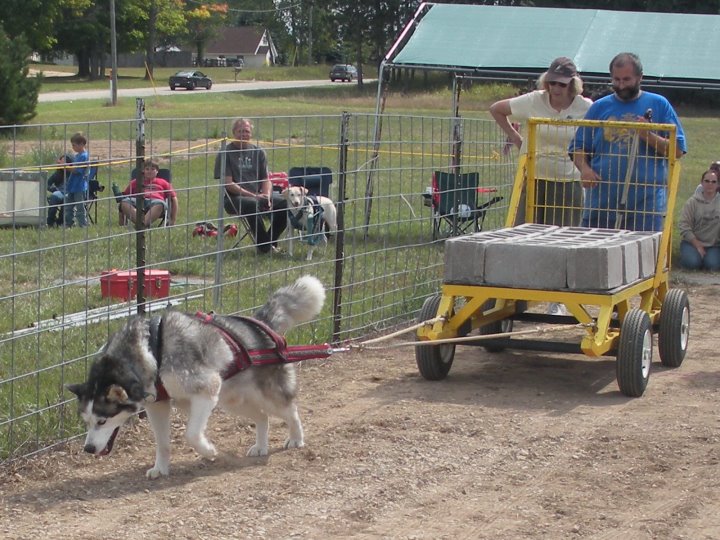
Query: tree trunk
[[200, 53], [150, 42], [83, 63]]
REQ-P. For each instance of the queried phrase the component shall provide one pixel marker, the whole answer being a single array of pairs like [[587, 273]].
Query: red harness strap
[[243, 358]]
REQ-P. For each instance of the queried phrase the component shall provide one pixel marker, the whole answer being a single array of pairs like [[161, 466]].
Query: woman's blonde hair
[[576, 85]]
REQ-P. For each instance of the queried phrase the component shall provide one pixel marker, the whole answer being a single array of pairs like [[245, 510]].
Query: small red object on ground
[[121, 284]]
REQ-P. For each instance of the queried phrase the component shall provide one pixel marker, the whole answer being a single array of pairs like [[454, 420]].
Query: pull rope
[[366, 345]]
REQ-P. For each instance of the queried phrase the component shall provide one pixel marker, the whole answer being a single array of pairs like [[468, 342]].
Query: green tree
[[145, 25], [19, 95], [34, 20], [85, 32], [203, 22]]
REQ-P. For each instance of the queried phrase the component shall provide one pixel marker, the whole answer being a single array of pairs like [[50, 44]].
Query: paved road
[[165, 91]]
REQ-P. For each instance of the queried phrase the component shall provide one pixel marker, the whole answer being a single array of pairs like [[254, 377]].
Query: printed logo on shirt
[[620, 136]]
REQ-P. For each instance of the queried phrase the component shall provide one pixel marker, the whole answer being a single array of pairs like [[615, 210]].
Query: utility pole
[[113, 55], [310, 36]]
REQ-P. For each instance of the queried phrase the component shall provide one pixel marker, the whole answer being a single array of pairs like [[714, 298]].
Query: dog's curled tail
[[293, 304]]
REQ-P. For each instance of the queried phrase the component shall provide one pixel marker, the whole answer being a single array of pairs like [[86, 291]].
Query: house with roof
[[252, 45]]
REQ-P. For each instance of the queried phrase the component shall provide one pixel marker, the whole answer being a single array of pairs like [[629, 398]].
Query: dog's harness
[[314, 220], [243, 358]]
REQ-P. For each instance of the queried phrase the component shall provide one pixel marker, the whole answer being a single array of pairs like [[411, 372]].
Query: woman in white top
[[558, 193]]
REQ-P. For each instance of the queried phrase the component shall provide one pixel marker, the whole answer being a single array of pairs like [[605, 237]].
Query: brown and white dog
[[314, 216]]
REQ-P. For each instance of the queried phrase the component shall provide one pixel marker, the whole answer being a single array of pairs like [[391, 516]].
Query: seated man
[[248, 190], [56, 187], [155, 191]]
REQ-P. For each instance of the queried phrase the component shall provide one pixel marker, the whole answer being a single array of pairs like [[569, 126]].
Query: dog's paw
[[257, 451], [157, 472], [294, 443], [207, 450]]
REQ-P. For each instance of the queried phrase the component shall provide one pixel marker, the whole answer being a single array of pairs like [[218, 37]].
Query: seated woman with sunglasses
[[700, 226], [559, 95]]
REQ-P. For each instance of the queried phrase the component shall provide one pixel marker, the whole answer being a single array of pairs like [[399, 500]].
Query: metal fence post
[[217, 299], [340, 238], [140, 246]]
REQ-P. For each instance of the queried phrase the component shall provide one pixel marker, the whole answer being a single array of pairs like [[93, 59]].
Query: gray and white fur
[[193, 357]]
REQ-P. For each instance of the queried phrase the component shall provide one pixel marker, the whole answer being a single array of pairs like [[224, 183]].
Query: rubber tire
[[634, 354], [433, 362], [172, 87], [191, 86], [498, 327], [209, 86], [674, 331]]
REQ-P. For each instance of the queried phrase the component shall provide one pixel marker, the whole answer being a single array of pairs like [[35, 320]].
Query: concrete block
[[465, 260], [526, 265], [648, 249], [631, 262], [551, 258], [596, 266]]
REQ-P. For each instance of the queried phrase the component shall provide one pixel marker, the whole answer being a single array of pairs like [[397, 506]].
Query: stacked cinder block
[[535, 256]]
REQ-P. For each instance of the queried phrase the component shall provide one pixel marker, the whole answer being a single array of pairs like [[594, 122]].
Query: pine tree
[[19, 95]]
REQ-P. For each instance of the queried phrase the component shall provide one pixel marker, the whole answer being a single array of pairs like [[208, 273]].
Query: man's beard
[[628, 93]]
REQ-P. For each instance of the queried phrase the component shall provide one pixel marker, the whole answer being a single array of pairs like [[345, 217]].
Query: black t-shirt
[[247, 166]]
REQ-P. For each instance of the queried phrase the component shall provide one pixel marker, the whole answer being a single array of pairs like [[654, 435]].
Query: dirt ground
[[511, 445]]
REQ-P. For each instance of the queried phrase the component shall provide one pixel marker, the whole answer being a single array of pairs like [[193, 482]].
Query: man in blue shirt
[[603, 155]]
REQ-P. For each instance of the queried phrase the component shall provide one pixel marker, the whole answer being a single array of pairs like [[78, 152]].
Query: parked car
[[190, 80], [343, 72]]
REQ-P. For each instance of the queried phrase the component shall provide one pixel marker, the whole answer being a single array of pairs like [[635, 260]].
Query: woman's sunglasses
[[556, 83]]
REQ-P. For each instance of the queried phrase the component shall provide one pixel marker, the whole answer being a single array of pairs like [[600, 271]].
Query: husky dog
[[190, 359], [312, 215]]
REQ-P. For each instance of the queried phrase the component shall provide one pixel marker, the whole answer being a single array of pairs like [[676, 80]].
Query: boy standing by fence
[[76, 184]]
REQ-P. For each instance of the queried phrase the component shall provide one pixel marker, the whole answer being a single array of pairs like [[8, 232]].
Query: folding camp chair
[[454, 202], [316, 180], [164, 219], [94, 187], [91, 195]]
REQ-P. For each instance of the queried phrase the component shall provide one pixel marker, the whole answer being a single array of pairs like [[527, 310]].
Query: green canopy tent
[[515, 43]]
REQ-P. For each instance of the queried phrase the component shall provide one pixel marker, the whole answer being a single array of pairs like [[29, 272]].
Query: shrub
[[19, 97]]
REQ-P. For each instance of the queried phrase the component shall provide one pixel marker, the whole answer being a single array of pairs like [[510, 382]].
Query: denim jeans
[[690, 257], [75, 203], [55, 201]]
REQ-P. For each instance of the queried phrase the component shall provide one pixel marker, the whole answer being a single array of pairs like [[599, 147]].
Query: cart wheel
[[499, 327], [634, 355], [433, 361], [674, 331]]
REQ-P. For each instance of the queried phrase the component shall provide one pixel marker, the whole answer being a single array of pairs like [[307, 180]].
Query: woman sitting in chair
[[156, 192]]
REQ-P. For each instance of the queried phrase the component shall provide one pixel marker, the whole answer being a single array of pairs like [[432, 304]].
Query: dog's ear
[[79, 390], [117, 394], [305, 190]]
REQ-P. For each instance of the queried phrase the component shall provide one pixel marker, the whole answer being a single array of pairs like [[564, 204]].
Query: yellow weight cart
[[619, 322]]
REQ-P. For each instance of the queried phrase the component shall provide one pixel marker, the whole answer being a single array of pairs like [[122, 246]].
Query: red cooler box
[[116, 284]]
